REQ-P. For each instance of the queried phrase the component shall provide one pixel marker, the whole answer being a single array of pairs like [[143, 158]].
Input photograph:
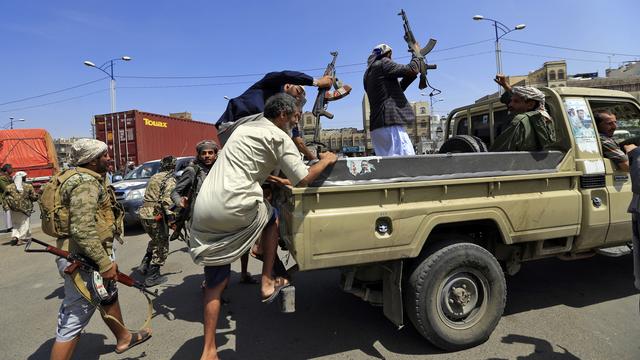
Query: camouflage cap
[[168, 163], [85, 150]]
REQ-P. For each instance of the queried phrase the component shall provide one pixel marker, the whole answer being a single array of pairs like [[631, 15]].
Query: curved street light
[[12, 120], [112, 84], [497, 25]]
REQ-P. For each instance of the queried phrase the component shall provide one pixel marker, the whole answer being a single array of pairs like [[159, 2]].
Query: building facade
[[63, 150]]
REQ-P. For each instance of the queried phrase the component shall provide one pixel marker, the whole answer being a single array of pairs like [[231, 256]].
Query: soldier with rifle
[[155, 214], [385, 82], [95, 220]]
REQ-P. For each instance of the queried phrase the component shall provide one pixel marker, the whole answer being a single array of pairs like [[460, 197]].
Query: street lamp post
[[112, 84], [433, 102], [11, 121], [497, 25]]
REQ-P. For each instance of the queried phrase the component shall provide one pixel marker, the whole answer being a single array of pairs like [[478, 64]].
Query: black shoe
[[144, 264], [154, 278], [14, 241]]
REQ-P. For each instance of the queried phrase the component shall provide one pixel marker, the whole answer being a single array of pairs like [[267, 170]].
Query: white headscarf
[[17, 179]]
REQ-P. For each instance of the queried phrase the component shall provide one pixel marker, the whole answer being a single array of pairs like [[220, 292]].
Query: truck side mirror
[[116, 178]]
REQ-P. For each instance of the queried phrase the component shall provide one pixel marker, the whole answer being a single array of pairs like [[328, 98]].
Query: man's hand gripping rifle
[[78, 260], [325, 95], [417, 52]]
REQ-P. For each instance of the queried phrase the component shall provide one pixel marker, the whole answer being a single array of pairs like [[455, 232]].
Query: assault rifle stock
[[418, 53], [78, 260]]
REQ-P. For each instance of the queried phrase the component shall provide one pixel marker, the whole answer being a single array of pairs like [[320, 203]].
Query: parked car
[[130, 190]]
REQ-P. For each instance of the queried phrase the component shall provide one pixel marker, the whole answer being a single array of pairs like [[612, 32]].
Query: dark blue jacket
[[252, 101]]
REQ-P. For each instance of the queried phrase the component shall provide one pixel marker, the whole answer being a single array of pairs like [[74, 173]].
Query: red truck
[[140, 136], [31, 151]]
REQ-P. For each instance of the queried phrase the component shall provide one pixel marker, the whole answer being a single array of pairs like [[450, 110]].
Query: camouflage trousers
[[158, 246]]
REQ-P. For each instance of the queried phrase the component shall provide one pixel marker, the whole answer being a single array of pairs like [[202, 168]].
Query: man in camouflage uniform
[[5, 179], [154, 215], [95, 219], [18, 199], [530, 127]]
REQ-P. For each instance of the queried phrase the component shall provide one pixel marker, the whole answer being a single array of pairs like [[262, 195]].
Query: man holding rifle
[[94, 221], [390, 109], [251, 102]]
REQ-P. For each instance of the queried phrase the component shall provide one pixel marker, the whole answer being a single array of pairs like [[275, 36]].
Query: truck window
[[500, 121], [480, 127], [627, 115], [463, 128]]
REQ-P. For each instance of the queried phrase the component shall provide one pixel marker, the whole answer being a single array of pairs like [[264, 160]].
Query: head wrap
[[168, 163], [85, 150], [17, 179], [206, 144], [381, 49], [531, 93]]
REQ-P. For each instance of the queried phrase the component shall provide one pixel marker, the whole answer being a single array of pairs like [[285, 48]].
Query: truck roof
[[585, 91], [562, 91]]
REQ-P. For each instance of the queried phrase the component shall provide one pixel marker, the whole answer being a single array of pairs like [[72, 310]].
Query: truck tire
[[463, 144], [456, 295]]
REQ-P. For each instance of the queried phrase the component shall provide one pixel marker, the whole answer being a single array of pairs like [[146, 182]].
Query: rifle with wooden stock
[[79, 261]]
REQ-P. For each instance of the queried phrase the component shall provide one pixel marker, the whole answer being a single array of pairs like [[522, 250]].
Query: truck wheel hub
[[459, 296]]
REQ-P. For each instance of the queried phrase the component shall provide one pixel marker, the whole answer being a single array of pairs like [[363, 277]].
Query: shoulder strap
[[81, 286]]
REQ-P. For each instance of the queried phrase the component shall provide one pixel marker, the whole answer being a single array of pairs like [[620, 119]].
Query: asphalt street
[[585, 309]]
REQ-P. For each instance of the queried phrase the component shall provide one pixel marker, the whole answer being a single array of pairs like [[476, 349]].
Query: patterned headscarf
[[168, 163], [531, 93], [381, 49], [206, 144], [85, 150], [17, 179]]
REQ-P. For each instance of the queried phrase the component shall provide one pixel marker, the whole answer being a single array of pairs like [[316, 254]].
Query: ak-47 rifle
[[418, 53], [325, 95], [79, 261]]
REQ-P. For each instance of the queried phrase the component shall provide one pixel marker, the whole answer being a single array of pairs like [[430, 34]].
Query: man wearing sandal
[[230, 213], [94, 221]]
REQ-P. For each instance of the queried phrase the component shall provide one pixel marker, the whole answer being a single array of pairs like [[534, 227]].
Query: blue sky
[[44, 44]]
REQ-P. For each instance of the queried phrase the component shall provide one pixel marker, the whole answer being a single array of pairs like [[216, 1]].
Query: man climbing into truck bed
[[530, 126]]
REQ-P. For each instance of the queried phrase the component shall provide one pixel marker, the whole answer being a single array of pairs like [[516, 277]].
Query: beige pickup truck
[[431, 237]]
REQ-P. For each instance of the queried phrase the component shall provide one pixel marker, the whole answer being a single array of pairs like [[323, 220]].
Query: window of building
[[560, 74], [423, 110], [552, 75]]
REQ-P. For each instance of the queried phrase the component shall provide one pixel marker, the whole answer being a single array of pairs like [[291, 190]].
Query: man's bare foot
[[271, 287], [133, 339]]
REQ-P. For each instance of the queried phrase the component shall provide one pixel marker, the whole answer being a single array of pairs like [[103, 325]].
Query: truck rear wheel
[[456, 295]]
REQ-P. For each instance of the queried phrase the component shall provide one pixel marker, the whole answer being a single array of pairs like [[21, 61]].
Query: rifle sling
[[80, 285]]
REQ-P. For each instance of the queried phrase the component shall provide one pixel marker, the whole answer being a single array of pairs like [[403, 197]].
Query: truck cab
[[605, 189]]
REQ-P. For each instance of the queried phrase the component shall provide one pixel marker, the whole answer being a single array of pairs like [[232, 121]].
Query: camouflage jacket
[[5, 180], [157, 196], [93, 216], [20, 201]]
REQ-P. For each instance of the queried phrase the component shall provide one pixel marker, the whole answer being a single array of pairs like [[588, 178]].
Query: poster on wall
[[581, 124]]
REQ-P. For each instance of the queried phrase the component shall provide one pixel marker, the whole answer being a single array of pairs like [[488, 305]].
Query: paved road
[[555, 310]]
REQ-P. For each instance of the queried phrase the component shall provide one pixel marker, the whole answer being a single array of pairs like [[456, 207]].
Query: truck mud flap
[[392, 292]]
